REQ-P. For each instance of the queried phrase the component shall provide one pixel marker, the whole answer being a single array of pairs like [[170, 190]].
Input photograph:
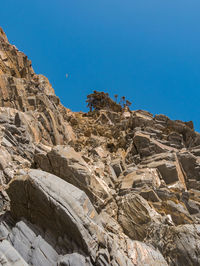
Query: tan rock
[[140, 177], [135, 215], [66, 163]]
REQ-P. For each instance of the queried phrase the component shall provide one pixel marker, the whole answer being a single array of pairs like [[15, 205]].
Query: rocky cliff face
[[97, 188]]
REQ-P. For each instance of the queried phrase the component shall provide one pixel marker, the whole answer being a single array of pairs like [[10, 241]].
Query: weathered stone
[[178, 212], [132, 175], [74, 259], [9, 256], [135, 215], [64, 162], [141, 177], [117, 167], [76, 219], [143, 254], [150, 195], [190, 164], [168, 172], [33, 248], [41, 192], [180, 245], [145, 146]]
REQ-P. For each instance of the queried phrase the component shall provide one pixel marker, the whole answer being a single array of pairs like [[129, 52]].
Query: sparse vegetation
[[100, 100]]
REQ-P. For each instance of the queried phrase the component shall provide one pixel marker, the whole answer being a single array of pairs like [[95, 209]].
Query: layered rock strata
[[97, 188]]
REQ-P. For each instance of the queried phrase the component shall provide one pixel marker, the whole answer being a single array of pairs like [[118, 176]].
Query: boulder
[[66, 163], [65, 213], [141, 177], [146, 146], [135, 215], [68, 211], [190, 165]]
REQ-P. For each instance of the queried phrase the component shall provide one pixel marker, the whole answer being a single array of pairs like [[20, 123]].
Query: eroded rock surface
[[97, 188]]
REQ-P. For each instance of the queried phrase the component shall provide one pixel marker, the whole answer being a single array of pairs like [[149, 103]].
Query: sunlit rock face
[[96, 188]]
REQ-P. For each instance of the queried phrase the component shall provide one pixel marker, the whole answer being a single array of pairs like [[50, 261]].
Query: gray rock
[[135, 215], [9, 256], [179, 245], [74, 259], [33, 248], [66, 163], [131, 175], [66, 213]]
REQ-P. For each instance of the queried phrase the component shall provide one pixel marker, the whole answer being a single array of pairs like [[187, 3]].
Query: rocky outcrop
[[69, 223], [135, 215], [97, 188], [69, 165], [179, 245]]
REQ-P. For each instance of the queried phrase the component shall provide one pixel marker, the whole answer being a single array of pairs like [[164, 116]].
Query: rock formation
[[97, 188]]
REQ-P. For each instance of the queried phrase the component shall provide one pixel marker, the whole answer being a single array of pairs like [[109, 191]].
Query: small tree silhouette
[[101, 100]]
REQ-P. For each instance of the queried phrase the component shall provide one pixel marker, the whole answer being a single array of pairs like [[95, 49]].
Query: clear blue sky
[[146, 50]]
